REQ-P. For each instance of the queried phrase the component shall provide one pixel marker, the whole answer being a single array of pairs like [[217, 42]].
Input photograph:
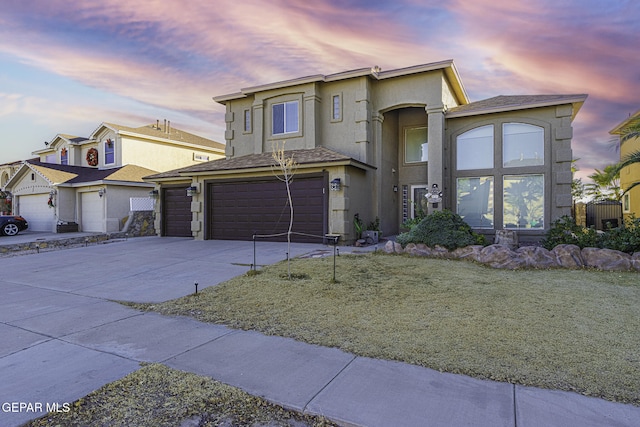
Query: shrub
[[565, 231], [443, 228], [624, 239]]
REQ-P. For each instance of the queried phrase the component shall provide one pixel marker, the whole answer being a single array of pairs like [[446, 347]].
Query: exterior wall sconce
[[191, 191], [335, 185], [395, 188], [154, 194], [101, 192], [52, 193]]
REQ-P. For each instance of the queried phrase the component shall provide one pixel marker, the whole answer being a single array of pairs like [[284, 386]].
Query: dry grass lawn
[[159, 396], [559, 329]]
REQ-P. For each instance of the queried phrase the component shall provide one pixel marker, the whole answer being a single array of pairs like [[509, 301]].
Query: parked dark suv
[[10, 225]]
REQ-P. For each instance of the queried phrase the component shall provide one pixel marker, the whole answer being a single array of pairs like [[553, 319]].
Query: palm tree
[[606, 184]]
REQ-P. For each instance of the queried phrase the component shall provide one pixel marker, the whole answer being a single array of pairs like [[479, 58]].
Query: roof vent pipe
[[158, 124], [169, 126], [165, 125]]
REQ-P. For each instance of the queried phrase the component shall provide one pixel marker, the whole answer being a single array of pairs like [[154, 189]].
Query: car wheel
[[10, 229]]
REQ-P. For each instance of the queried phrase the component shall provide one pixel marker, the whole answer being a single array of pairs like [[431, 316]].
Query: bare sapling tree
[[284, 169]]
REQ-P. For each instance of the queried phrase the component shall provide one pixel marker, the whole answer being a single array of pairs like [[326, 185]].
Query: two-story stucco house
[[376, 143], [90, 181], [630, 174]]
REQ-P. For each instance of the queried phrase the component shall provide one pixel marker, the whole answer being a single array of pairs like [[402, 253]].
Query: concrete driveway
[[48, 300], [62, 336]]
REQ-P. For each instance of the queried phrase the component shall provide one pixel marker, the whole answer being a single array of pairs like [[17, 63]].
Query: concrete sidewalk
[[62, 338]]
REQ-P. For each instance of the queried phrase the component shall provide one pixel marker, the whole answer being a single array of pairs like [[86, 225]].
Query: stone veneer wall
[[501, 256]]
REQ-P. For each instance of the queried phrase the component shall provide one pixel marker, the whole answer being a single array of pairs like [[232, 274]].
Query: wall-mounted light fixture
[[395, 188], [191, 191], [52, 193], [102, 192], [154, 194], [335, 184]]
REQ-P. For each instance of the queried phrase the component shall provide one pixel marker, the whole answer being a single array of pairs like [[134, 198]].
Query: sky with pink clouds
[[68, 65]]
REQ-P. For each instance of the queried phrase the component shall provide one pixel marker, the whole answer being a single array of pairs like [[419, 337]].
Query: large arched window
[[500, 179]]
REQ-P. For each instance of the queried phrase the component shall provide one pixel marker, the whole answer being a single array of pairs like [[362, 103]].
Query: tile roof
[[262, 160], [66, 174], [513, 102]]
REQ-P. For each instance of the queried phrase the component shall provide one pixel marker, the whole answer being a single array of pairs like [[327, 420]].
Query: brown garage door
[[240, 209], [176, 212]]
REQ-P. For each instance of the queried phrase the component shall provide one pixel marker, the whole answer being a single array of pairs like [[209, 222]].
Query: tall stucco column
[[436, 140], [378, 203]]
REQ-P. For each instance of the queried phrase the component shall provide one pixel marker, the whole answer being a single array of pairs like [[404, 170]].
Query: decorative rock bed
[[502, 256]]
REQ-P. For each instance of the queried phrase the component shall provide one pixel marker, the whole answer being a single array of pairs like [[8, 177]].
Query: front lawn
[[560, 329]]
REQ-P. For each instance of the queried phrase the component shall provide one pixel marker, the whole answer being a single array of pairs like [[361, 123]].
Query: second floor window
[[109, 152], [285, 117], [247, 121], [416, 148]]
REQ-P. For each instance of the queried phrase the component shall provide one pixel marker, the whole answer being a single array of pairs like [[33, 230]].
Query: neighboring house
[[375, 143], [630, 174], [90, 181], [6, 171]]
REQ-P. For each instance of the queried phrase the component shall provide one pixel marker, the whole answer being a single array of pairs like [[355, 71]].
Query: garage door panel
[[238, 210], [176, 210], [36, 211], [91, 212]]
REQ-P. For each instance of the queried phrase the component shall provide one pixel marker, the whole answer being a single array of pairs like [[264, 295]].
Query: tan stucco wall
[[630, 175], [158, 156], [117, 204], [370, 129], [66, 204]]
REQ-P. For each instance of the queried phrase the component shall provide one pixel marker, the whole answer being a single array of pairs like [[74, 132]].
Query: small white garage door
[[36, 211], [92, 212]]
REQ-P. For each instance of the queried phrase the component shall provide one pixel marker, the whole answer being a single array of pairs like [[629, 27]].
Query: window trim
[[268, 116], [503, 148], [284, 118], [493, 146], [626, 203], [337, 96], [247, 125], [112, 152], [491, 200], [522, 175], [404, 145]]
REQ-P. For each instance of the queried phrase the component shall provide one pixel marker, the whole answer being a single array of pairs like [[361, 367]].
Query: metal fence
[[604, 214]]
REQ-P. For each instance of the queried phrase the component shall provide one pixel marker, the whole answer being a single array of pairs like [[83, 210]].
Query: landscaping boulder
[[635, 260], [393, 248], [500, 256], [606, 259], [468, 252], [568, 256], [419, 249], [537, 257]]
